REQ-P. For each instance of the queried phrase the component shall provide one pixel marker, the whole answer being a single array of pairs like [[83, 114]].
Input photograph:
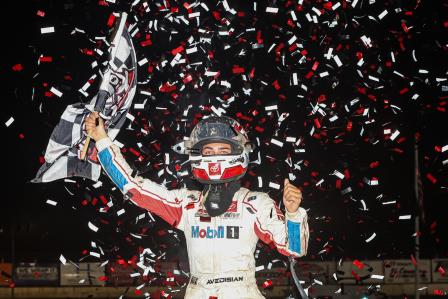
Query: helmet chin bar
[[220, 168]]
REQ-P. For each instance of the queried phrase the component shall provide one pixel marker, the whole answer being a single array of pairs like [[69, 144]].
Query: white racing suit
[[220, 249]]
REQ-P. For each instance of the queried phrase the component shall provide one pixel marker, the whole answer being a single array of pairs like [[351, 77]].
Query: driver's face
[[217, 148]]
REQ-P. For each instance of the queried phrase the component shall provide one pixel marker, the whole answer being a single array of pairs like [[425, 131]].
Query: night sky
[[360, 151]]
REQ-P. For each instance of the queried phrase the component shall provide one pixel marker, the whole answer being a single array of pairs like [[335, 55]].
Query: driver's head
[[219, 150]]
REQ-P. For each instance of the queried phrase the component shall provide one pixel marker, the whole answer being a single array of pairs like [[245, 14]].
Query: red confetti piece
[[177, 50], [374, 164], [414, 261], [268, 283], [358, 264], [404, 90], [17, 67], [49, 94], [45, 59], [110, 21], [237, 70], [438, 292], [276, 85], [431, 178], [146, 43]]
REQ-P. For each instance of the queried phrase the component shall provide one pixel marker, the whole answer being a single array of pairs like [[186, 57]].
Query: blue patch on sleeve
[[294, 236], [112, 170]]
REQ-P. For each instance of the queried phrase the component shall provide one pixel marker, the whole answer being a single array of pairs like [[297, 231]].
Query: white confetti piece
[[339, 174], [382, 15], [318, 282], [191, 50], [142, 61], [371, 238], [445, 148], [97, 184], [295, 80], [56, 92], [360, 62], [45, 30], [274, 185], [51, 202], [92, 227], [336, 6], [337, 60], [367, 41], [333, 118], [404, 217], [259, 268], [63, 260], [121, 212], [10, 121], [271, 9], [292, 39], [376, 276], [374, 78], [394, 135], [329, 53], [389, 202], [276, 142]]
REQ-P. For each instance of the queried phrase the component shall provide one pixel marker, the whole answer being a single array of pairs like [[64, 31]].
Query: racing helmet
[[217, 169]]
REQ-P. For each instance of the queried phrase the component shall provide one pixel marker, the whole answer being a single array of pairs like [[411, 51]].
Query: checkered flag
[[117, 90]]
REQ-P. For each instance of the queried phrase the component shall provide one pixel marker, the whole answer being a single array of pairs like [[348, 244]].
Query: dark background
[[31, 230]]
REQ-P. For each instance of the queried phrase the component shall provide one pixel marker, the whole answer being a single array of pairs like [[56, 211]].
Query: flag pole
[[103, 95], [417, 217]]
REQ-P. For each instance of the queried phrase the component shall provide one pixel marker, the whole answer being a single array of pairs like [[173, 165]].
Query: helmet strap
[[218, 197]]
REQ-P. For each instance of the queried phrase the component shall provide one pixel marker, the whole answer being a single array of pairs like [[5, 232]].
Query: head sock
[[218, 197]]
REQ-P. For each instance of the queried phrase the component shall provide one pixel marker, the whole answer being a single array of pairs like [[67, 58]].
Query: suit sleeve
[[290, 236], [143, 192]]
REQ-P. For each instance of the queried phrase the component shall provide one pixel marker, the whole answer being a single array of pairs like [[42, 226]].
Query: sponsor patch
[[214, 168], [222, 232], [224, 279]]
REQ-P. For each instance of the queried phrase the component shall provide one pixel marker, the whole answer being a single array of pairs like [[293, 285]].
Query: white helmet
[[218, 169]]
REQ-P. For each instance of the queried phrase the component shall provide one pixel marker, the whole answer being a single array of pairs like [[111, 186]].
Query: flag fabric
[[116, 93]]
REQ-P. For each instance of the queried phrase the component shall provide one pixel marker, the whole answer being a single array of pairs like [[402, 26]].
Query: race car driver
[[223, 222]]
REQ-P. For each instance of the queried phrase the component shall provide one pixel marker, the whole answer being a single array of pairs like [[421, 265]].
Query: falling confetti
[[331, 93]]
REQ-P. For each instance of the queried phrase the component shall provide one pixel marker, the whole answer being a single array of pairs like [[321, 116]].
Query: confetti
[[51, 202], [46, 30], [62, 259], [9, 121], [347, 74], [92, 227]]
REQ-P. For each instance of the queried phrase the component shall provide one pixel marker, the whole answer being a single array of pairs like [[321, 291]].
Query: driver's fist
[[95, 131], [292, 197]]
